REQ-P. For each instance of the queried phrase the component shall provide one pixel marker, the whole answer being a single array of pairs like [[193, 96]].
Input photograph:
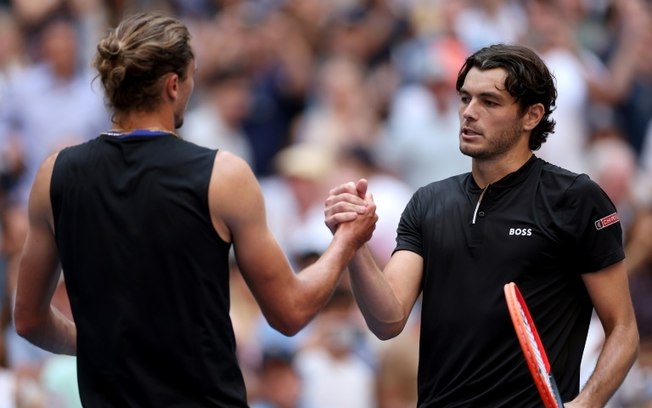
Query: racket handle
[[555, 391]]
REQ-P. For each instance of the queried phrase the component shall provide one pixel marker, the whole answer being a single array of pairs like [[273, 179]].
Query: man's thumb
[[361, 187]]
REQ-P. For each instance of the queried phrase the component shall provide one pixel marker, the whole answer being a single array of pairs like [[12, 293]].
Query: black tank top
[[146, 273]]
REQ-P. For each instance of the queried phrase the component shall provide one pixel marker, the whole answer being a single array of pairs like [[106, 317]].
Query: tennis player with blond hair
[[142, 224]]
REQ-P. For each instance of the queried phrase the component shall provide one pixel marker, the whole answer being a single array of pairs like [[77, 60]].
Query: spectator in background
[[340, 114], [398, 363], [246, 317], [281, 385], [331, 361], [13, 57], [32, 13], [281, 72], [612, 164], [51, 104], [368, 32], [48, 105], [584, 81], [419, 142], [217, 119], [264, 44], [493, 21], [553, 38], [628, 56]]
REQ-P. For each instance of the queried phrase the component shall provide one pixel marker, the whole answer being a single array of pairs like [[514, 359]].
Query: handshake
[[350, 211]]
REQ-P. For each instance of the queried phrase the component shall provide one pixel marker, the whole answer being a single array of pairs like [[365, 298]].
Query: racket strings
[[535, 347]]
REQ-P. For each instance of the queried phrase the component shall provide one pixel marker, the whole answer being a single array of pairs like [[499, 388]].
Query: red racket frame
[[535, 353]]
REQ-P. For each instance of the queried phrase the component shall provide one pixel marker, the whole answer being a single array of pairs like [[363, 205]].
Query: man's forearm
[[616, 359], [374, 296], [56, 334]]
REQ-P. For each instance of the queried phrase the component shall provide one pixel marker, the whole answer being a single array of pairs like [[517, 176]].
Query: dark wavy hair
[[133, 57], [528, 80]]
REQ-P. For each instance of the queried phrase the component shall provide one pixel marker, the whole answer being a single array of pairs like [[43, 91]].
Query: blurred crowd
[[312, 93]]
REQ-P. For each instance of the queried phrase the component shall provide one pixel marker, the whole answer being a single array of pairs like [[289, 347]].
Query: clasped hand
[[350, 203]]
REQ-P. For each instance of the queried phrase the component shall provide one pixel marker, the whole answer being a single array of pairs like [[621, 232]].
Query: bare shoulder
[[234, 193], [40, 207], [231, 172], [44, 175], [227, 162], [48, 163], [229, 167]]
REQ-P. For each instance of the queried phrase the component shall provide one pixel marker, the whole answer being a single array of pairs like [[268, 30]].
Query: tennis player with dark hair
[[514, 217], [142, 224]]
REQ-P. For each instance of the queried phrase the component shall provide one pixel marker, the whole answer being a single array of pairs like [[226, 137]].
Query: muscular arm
[[35, 317], [609, 292], [385, 297], [288, 300]]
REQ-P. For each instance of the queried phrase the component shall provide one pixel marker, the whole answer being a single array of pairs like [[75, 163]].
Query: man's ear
[[172, 86], [533, 116]]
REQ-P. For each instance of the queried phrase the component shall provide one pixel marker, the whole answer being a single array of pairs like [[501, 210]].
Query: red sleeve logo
[[607, 221]]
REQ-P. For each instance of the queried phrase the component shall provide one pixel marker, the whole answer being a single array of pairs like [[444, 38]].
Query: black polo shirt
[[541, 227]]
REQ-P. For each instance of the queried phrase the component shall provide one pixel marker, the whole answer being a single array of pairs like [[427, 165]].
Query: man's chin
[[473, 153]]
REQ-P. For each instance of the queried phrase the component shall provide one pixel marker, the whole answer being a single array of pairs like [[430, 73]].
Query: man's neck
[[488, 171], [140, 120]]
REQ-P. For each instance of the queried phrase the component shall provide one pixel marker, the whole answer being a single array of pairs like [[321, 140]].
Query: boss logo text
[[521, 231]]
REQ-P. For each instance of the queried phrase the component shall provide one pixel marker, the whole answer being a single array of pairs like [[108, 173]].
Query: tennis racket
[[535, 354]]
